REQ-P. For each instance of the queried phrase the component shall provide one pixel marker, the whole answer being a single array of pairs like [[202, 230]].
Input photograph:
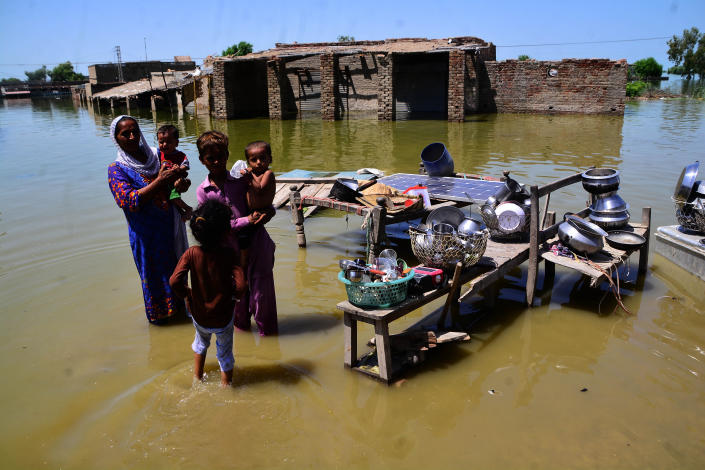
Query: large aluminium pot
[[600, 180], [685, 183], [610, 220], [579, 241]]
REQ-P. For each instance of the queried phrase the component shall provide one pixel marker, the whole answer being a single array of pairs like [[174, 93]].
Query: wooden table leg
[[297, 215], [533, 247], [384, 353], [350, 337], [644, 250], [377, 228]]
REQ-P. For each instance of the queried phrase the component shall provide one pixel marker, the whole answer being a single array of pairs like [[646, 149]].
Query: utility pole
[[119, 64], [145, 48]]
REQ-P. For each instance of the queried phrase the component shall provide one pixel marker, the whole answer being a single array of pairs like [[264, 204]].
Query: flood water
[[89, 384]]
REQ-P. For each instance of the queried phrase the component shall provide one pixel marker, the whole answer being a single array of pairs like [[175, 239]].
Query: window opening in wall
[[552, 72]]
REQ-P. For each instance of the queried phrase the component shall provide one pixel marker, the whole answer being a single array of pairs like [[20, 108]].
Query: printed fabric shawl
[[148, 168]]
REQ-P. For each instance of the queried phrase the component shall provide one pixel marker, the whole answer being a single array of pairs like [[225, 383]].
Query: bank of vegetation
[[687, 52], [63, 72]]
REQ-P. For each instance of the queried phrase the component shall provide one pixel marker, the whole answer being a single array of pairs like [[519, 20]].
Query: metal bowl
[[445, 215], [685, 183], [626, 241], [600, 180], [469, 226]]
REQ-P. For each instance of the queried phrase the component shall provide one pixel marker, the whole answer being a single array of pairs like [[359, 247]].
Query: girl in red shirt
[[216, 281]]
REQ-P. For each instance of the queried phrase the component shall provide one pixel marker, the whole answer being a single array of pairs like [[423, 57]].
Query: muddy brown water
[[89, 384]]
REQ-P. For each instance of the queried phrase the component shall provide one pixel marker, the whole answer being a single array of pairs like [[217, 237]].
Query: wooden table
[[498, 259], [604, 262]]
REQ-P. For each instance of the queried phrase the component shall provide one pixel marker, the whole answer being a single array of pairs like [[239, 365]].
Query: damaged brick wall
[[591, 86]]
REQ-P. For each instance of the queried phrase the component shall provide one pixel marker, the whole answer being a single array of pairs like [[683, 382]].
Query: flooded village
[[484, 262]]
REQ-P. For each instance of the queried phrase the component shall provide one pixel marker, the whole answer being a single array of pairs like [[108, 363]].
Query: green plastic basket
[[376, 294]]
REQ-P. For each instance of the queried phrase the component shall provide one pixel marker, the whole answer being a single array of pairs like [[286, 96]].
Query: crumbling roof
[[398, 45]]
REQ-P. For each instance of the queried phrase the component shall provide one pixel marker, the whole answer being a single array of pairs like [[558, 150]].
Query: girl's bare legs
[[226, 378], [199, 361]]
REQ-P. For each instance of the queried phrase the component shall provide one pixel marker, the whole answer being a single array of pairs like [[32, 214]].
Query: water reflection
[[122, 391]]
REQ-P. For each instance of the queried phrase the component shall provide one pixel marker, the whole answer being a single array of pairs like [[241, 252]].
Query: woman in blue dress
[[157, 233]]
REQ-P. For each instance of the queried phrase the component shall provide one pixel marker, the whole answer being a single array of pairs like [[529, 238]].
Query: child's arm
[[263, 182], [185, 210], [262, 190], [177, 281]]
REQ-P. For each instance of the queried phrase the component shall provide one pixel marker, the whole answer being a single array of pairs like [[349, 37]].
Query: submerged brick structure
[[402, 78]]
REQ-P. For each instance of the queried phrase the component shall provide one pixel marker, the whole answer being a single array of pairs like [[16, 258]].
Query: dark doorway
[[421, 86]]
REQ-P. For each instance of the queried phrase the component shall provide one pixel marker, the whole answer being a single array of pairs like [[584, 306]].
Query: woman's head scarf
[[148, 168]]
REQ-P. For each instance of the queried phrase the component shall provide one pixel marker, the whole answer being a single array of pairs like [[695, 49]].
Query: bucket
[[437, 160], [344, 189]]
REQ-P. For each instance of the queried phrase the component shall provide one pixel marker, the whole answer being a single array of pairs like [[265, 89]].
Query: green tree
[[64, 73], [39, 75], [635, 88], [241, 48], [523, 57], [10, 80], [647, 68], [688, 51], [345, 38]]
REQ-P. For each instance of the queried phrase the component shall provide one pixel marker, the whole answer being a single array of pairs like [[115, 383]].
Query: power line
[[587, 42], [93, 62], [512, 45]]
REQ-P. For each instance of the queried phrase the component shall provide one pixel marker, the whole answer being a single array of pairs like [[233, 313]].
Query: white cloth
[[148, 168]]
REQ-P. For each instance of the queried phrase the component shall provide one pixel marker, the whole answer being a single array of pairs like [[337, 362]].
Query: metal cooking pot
[[509, 190], [489, 216], [600, 180], [585, 227], [579, 241], [610, 220], [685, 183], [469, 226], [609, 202]]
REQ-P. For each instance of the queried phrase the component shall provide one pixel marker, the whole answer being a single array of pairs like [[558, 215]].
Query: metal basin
[[445, 215], [627, 241], [600, 180]]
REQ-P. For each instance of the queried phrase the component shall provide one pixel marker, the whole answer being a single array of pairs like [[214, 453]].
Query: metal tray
[[623, 240]]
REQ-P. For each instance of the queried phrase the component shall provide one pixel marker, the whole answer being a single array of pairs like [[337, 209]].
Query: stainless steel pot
[[470, 226], [600, 180], [608, 202], [579, 241], [510, 190], [610, 220], [685, 183]]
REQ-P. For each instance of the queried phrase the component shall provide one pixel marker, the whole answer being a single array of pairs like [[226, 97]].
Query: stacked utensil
[[689, 199], [607, 209]]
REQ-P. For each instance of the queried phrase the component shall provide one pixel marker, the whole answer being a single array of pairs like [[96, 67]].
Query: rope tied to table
[[559, 249]]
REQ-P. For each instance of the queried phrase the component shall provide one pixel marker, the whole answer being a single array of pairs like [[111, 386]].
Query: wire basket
[[691, 215], [376, 294], [445, 250]]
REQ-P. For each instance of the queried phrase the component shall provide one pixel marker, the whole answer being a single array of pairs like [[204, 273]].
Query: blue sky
[[48, 32]]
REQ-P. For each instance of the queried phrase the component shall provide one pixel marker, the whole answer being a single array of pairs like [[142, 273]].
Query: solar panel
[[445, 187]]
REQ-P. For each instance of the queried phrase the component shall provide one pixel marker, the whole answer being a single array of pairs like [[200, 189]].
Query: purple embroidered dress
[[260, 301]]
